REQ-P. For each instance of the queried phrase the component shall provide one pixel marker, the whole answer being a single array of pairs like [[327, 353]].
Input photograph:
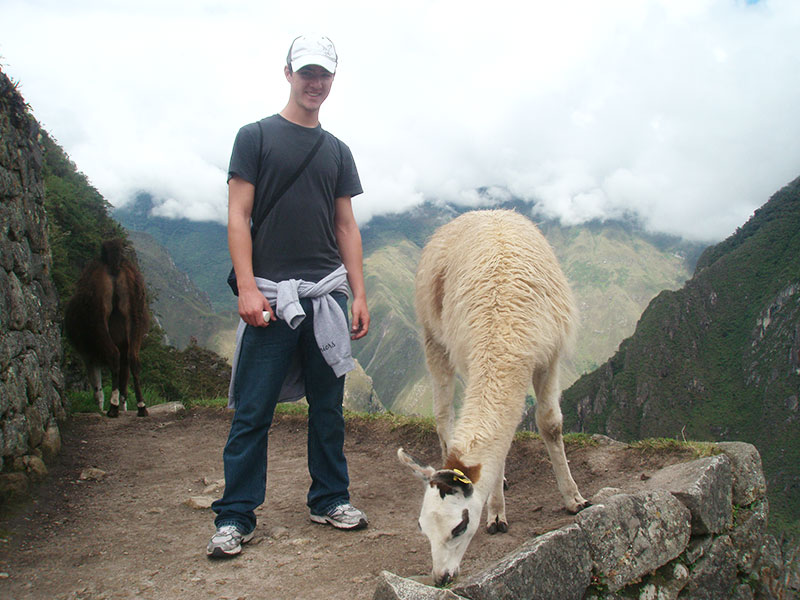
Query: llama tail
[[111, 255]]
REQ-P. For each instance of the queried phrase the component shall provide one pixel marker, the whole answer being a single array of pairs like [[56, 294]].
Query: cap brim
[[323, 61]]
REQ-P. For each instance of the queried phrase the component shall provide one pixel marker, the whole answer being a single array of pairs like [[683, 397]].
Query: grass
[[84, 402], [397, 421], [658, 445], [207, 403], [578, 439]]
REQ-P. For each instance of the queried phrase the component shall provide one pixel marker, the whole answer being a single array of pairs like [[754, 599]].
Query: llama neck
[[490, 413]]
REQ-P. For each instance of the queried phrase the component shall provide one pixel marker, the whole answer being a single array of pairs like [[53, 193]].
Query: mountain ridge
[[719, 358], [615, 268]]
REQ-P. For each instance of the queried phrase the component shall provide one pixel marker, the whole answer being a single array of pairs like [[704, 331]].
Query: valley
[[615, 269]]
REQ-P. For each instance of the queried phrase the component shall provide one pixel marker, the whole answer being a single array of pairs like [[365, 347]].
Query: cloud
[[680, 111]]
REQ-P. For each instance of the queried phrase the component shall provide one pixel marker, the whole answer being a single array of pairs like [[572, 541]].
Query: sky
[[683, 113]]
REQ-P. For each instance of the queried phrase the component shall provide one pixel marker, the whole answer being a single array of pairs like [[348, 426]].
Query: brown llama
[[106, 320]]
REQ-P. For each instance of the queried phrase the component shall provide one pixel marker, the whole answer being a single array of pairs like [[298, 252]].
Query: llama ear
[[461, 527], [450, 481], [423, 472]]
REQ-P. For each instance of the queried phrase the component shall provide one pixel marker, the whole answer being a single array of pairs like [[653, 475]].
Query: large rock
[[33, 466], [749, 484], [666, 583], [13, 486], [35, 426], [769, 572], [705, 487], [742, 592], [674, 539], [713, 577], [51, 443], [359, 393], [199, 502], [791, 559], [556, 565], [631, 535], [751, 526], [394, 587], [15, 435], [167, 408]]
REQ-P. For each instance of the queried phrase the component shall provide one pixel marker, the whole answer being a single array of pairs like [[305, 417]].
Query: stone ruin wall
[[691, 531], [32, 400]]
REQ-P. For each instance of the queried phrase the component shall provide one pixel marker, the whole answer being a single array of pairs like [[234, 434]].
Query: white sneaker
[[343, 516], [227, 541]]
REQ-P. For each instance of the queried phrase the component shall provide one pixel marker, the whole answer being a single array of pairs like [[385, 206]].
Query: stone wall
[[694, 531], [31, 384]]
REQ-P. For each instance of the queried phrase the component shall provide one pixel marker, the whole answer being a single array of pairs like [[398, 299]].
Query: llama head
[[449, 517]]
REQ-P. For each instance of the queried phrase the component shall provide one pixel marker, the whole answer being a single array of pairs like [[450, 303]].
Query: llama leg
[[496, 521], [124, 373], [549, 421], [106, 347], [96, 381], [135, 365], [113, 408], [443, 376], [113, 403]]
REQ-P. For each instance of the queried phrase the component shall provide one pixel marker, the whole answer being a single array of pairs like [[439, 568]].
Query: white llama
[[495, 307]]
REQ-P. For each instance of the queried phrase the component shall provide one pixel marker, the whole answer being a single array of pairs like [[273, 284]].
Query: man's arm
[[348, 238], [252, 302]]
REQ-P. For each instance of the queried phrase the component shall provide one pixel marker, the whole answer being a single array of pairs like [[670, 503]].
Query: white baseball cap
[[312, 50]]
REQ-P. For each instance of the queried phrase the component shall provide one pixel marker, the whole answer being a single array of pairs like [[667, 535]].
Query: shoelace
[[226, 530], [347, 509]]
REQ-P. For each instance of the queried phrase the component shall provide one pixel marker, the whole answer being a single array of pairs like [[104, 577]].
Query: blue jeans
[[265, 358]]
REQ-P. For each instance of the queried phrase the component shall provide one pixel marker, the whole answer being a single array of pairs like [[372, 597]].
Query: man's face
[[310, 86]]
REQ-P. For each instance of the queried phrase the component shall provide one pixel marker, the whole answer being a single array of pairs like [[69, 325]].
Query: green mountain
[[391, 353], [615, 269], [717, 359], [189, 317], [78, 220], [183, 311], [199, 248]]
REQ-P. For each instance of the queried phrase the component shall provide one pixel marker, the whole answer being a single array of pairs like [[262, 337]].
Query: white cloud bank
[[681, 111]]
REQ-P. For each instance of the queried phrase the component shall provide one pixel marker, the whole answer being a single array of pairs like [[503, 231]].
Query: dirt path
[[130, 535]]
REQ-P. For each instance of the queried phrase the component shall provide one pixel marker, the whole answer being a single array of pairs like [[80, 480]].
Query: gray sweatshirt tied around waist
[[330, 326]]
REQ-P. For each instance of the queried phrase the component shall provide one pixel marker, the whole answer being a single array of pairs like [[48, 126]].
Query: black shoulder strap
[[288, 183]]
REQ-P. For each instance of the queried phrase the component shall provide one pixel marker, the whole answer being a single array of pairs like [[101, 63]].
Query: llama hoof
[[579, 507], [113, 411], [142, 412], [497, 527]]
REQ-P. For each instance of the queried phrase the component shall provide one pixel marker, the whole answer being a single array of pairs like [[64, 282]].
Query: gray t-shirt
[[296, 239]]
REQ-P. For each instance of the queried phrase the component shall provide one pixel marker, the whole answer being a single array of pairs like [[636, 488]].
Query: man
[[292, 273]]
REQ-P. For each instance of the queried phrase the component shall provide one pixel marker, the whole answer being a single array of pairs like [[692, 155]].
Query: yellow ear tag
[[459, 476]]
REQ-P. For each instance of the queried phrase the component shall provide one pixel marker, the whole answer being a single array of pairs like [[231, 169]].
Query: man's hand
[[360, 319], [252, 306]]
